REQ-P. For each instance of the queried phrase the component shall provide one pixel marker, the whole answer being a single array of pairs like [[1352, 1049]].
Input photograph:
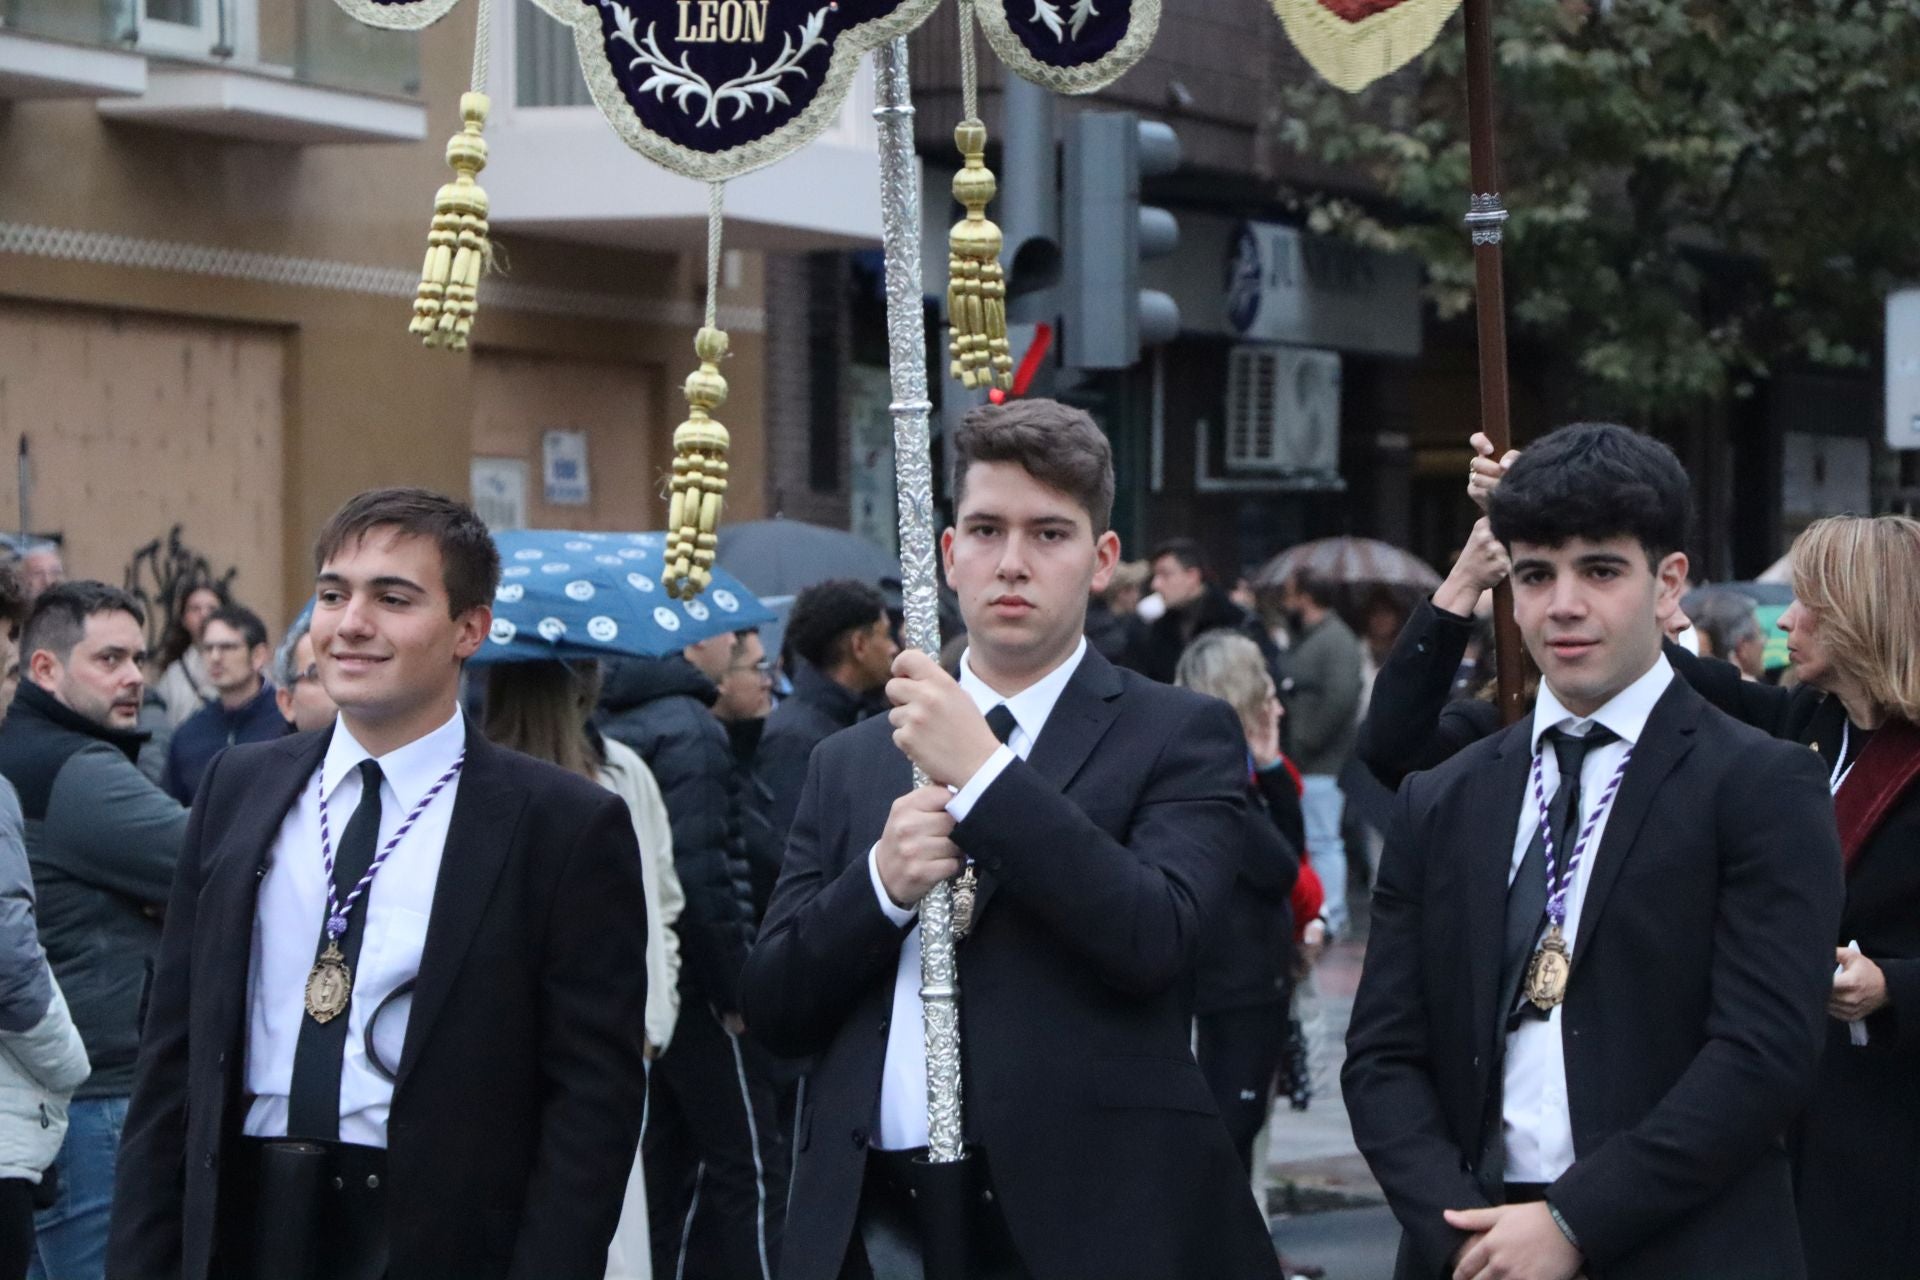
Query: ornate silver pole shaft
[[913, 463]]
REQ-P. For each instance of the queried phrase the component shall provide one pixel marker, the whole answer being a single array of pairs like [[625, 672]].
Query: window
[[546, 65]]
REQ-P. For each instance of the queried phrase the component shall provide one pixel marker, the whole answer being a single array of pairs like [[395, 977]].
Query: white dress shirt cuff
[[963, 801], [899, 915]]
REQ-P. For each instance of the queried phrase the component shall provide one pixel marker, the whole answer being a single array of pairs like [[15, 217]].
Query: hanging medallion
[[329, 984]]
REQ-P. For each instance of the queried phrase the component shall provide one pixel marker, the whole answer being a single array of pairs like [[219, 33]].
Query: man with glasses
[[234, 643], [302, 700]]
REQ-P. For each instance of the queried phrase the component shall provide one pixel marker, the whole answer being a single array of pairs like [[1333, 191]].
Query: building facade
[[211, 221]]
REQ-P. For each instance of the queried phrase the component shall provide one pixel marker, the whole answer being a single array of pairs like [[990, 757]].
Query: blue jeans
[[1322, 806], [70, 1239]]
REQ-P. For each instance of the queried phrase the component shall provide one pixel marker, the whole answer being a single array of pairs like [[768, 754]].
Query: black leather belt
[[294, 1209]]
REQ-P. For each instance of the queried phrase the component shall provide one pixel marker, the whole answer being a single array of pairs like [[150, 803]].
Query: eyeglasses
[[764, 667], [311, 673]]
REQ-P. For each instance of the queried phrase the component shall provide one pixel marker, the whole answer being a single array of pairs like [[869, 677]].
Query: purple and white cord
[[1559, 882], [338, 911]]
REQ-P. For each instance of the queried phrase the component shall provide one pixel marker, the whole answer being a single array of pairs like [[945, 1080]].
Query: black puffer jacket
[[659, 708]]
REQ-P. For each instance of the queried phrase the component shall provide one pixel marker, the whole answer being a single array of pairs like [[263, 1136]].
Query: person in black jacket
[[1195, 606], [715, 1162], [405, 1039], [840, 633], [1585, 1027], [1241, 989]]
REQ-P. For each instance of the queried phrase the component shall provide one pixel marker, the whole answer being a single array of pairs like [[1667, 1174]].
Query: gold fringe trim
[[457, 246], [1352, 55], [699, 474], [976, 286]]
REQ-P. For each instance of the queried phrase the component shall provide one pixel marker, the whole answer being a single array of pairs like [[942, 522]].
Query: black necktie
[[313, 1100], [1527, 896], [1001, 721]]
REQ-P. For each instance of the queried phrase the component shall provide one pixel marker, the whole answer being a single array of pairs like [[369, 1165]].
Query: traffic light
[[1106, 317]]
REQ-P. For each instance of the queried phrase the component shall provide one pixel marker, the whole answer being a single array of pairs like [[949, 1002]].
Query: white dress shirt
[[291, 911], [903, 1081], [1536, 1122]]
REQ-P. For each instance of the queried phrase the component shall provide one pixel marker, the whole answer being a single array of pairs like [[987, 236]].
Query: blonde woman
[[1245, 972], [1853, 635], [541, 710]]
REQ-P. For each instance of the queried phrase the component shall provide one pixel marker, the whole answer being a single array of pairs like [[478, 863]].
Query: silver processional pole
[[913, 463]]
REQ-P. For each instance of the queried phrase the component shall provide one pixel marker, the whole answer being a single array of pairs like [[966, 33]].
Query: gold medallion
[[964, 885], [329, 985], [1547, 972]]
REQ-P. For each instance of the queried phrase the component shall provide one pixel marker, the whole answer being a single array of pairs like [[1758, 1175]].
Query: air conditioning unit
[[1283, 410]]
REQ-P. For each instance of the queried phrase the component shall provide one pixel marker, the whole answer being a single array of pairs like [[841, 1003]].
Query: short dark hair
[[1314, 587], [243, 620], [470, 563], [1595, 480], [59, 616], [1058, 445], [826, 614], [1185, 550]]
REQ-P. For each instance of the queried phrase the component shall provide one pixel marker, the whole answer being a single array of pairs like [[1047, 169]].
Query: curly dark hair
[[1595, 480], [826, 613]]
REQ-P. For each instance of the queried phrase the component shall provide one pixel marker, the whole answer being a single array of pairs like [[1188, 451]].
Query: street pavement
[[1326, 1208]]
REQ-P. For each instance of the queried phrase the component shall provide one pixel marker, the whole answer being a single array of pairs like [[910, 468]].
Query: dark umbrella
[[785, 557]]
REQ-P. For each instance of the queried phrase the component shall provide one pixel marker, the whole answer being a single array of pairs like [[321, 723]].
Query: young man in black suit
[[1602, 938], [396, 1024], [1101, 812]]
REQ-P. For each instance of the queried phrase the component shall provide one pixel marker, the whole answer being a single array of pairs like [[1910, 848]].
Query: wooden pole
[[1485, 216]]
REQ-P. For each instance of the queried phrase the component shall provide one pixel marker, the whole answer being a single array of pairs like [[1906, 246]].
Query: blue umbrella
[[598, 595]]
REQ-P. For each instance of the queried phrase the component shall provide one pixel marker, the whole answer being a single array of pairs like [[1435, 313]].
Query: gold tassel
[[457, 246], [976, 287], [699, 473]]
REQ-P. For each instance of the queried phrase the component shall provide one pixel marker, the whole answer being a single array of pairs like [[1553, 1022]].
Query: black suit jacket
[[1694, 1019], [516, 1108], [1104, 859]]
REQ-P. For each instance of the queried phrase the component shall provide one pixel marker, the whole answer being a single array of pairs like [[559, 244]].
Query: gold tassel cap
[[699, 473], [457, 246], [976, 286]]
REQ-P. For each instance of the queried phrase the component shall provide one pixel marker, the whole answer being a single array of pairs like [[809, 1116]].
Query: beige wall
[[138, 423], [364, 404], [519, 398]]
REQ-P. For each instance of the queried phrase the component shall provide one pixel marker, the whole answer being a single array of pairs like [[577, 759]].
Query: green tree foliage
[[1700, 189]]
